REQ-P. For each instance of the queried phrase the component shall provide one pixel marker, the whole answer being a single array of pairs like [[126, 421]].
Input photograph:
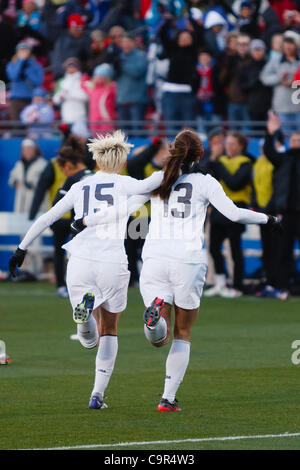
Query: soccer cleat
[[96, 403], [166, 406], [82, 312], [152, 313]]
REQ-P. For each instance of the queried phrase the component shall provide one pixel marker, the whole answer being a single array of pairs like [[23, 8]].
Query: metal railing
[[144, 128]]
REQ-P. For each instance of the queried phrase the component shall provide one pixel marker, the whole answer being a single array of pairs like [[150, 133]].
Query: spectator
[[278, 73], [205, 94], [25, 175], [130, 74], [221, 98], [248, 18], [69, 95], [97, 54], [215, 148], [7, 46], [73, 42], [258, 95], [125, 13], [286, 198], [276, 46], [29, 16], [39, 111], [10, 8], [263, 201], [230, 79], [114, 49], [83, 8], [215, 32], [24, 74], [234, 171], [182, 82], [270, 24], [102, 97], [115, 36]]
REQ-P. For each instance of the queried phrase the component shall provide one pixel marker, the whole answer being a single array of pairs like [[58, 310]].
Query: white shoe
[[212, 291], [62, 292], [230, 293]]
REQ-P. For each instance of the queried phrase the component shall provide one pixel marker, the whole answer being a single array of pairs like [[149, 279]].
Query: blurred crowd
[[89, 62], [268, 182]]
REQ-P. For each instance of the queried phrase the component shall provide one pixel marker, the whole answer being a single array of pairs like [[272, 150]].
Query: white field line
[[176, 441]]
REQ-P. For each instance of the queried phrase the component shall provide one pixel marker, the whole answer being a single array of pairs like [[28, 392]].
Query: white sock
[[176, 365], [105, 362], [220, 280], [157, 333], [88, 333]]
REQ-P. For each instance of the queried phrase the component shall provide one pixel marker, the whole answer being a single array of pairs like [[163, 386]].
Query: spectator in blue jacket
[[130, 74], [24, 74]]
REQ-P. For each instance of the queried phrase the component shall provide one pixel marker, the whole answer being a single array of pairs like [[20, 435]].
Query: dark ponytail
[[185, 150], [72, 151]]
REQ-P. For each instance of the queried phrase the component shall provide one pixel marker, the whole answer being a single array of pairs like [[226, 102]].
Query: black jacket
[[183, 60], [286, 180], [258, 95]]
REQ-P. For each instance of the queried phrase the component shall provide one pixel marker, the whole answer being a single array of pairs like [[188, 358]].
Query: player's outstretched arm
[[134, 203], [226, 206], [132, 186], [44, 221]]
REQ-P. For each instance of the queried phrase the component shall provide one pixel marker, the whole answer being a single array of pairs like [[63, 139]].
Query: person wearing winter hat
[[75, 41], [38, 112], [101, 90], [69, 95], [24, 74], [216, 28], [258, 95]]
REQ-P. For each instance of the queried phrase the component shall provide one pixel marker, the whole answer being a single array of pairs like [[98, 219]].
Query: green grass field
[[240, 381]]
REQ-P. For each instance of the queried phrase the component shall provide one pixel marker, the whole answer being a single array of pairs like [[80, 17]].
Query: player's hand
[[275, 223], [16, 260], [77, 226]]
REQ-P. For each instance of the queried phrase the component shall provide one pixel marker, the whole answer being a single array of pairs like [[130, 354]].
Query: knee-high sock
[[157, 333], [105, 361], [176, 365], [88, 333]]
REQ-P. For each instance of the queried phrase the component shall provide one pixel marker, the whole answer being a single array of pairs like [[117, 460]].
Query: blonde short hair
[[110, 151]]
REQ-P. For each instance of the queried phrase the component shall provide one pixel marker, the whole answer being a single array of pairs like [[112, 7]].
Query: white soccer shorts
[[175, 282], [107, 281]]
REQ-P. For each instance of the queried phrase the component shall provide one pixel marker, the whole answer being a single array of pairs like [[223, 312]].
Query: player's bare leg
[[178, 357], [106, 356], [157, 319]]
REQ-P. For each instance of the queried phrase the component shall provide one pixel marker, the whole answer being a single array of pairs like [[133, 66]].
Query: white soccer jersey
[[177, 225], [101, 193]]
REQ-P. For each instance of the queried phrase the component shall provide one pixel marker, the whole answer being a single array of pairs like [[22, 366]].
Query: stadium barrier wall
[[10, 149]]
